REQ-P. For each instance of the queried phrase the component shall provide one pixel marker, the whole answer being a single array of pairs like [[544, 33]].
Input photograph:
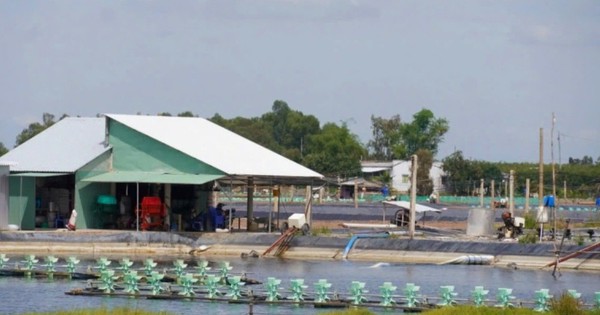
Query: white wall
[[401, 176]]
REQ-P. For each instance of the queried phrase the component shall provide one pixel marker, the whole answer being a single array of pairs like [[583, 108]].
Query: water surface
[[18, 295]]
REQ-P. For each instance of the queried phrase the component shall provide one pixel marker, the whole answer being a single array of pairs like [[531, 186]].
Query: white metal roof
[[406, 205], [369, 169], [215, 145], [64, 147]]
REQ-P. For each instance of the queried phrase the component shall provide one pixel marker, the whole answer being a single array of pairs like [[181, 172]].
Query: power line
[[574, 137]]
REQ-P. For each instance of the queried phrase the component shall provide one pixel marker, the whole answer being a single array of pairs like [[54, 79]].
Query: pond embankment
[[393, 249]]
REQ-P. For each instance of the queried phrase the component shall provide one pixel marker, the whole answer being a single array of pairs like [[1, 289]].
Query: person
[[224, 212], [433, 198], [71, 226], [508, 220], [499, 204], [385, 191], [510, 229], [220, 210]]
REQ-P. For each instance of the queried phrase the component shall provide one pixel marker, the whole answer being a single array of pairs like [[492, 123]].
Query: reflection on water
[[19, 295]]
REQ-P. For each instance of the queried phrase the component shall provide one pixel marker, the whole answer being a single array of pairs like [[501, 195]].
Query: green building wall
[[134, 151], [22, 202], [86, 193]]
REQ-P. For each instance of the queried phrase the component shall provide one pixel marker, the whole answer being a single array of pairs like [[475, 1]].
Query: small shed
[[362, 187]]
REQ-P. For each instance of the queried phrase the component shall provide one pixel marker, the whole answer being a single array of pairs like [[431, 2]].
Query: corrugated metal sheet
[[65, 147], [37, 174], [216, 146], [149, 177]]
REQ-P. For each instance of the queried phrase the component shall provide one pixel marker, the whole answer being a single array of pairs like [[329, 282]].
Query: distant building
[[399, 170], [362, 186]]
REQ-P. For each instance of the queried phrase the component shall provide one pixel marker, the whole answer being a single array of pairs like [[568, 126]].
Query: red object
[[153, 213]]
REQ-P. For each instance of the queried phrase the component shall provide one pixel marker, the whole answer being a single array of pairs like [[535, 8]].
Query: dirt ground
[[337, 224]]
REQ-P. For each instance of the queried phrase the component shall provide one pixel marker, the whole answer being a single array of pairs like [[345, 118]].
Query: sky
[[496, 70]]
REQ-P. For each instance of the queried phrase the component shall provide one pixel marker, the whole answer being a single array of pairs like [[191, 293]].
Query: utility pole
[[559, 153], [541, 170], [413, 195], [553, 173], [541, 185], [511, 198]]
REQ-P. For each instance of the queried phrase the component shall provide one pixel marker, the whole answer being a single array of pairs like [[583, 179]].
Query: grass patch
[[529, 238], [484, 310], [103, 311], [351, 311], [563, 305], [566, 305], [323, 230], [530, 220]]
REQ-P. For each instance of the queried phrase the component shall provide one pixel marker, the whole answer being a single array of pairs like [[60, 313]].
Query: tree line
[[334, 151], [573, 180]]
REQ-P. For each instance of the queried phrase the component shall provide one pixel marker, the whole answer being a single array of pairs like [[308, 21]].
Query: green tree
[[330, 150], [186, 114], [35, 128], [393, 139], [424, 132], [386, 138], [3, 149], [334, 151], [253, 129], [424, 183], [290, 128], [457, 171]]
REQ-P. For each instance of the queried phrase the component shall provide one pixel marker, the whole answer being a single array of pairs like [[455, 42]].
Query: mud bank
[[394, 250]]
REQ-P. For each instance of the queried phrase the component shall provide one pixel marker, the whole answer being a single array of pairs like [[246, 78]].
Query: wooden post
[[308, 206], [492, 193], [276, 193], [413, 195], [481, 193], [250, 205], [355, 194], [511, 190], [167, 202], [527, 182], [321, 193]]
